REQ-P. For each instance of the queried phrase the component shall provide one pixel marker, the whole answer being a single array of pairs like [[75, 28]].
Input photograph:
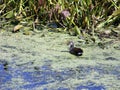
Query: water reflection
[[45, 75], [4, 75], [90, 88]]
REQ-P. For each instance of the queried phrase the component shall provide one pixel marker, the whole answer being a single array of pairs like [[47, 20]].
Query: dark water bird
[[74, 50]]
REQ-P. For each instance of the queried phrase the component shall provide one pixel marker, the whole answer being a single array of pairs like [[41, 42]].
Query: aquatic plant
[[72, 15]]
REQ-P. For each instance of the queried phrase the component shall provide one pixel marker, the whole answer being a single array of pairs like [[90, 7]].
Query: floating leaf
[[17, 28]]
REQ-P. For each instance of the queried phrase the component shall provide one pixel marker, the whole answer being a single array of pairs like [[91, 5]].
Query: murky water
[[44, 63]]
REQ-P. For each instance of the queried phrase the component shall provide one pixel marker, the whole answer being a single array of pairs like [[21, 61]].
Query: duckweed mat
[[37, 62]]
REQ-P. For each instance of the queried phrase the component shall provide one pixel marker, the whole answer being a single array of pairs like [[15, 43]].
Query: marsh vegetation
[[77, 17]]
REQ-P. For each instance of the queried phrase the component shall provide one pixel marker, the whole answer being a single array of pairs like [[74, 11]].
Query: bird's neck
[[71, 46]]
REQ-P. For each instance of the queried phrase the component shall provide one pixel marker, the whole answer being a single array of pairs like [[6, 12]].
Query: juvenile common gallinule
[[74, 50]]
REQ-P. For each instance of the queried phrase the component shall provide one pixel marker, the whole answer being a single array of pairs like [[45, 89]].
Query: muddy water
[[36, 62]]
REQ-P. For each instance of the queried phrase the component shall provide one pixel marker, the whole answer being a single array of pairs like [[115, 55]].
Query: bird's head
[[71, 45]]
